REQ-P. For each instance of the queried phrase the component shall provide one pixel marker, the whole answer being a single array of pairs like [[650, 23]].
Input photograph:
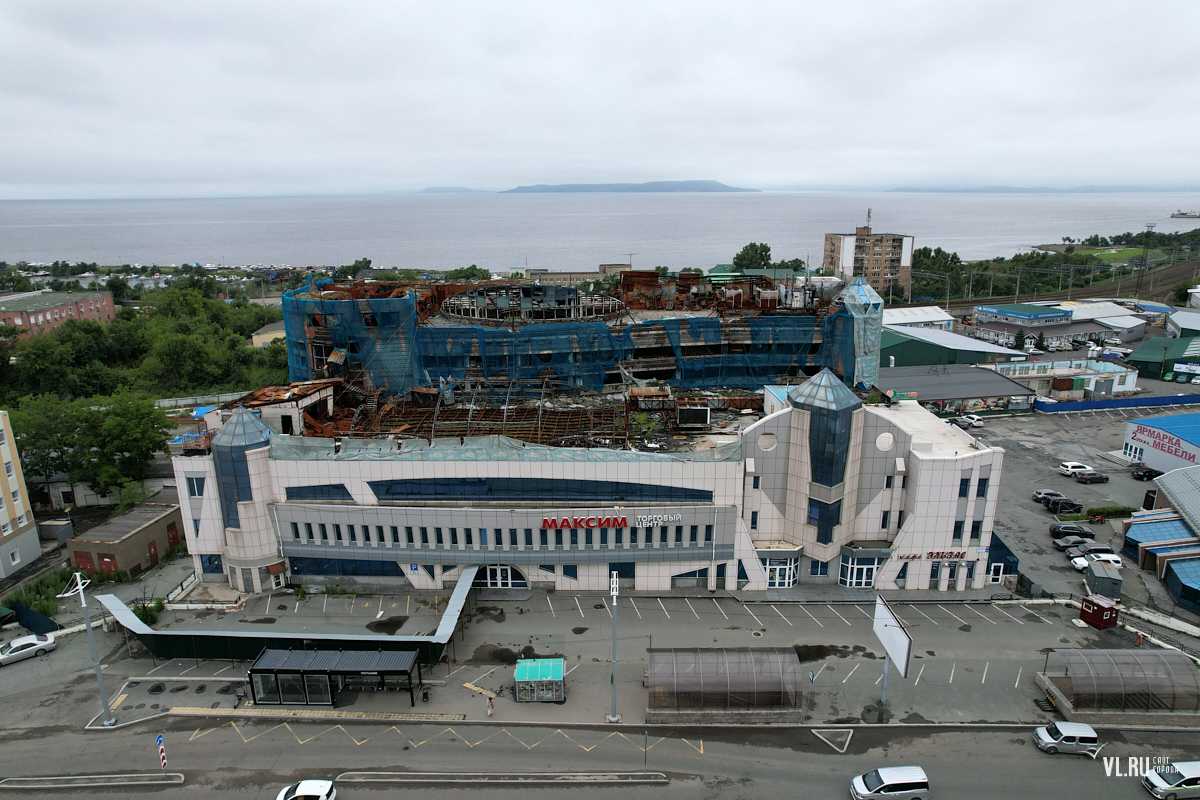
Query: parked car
[[1181, 378], [1081, 563], [1033, 351], [1089, 547], [308, 790], [1069, 468], [890, 782], [1091, 476], [1144, 474], [24, 647], [1071, 529], [1170, 376], [1044, 495], [1068, 542], [1065, 505], [1177, 779], [975, 420], [959, 422], [1067, 737]]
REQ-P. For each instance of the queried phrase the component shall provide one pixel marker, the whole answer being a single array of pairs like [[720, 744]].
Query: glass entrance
[[500, 576], [859, 573], [996, 573], [781, 572]]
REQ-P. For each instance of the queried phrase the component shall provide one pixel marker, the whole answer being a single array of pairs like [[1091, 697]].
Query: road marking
[[985, 616], [834, 610], [877, 680], [324, 602], [718, 605], [117, 702], [689, 604], [380, 614], [635, 608], [1039, 616], [756, 619], [551, 606], [785, 619], [156, 669], [484, 675], [296, 610], [1010, 616], [951, 613], [568, 672], [806, 611], [609, 610], [1018, 683], [189, 669], [985, 669], [267, 606], [952, 667], [222, 669], [865, 614], [664, 608], [353, 597], [460, 669], [919, 674], [923, 614], [856, 666], [578, 606], [407, 602]]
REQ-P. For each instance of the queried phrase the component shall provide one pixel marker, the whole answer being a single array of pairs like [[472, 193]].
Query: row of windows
[[329, 492], [964, 487], [525, 490], [426, 537], [976, 530], [195, 487], [826, 516], [883, 523]]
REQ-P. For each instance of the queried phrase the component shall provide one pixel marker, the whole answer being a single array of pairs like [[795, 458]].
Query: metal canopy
[[724, 678], [1153, 680]]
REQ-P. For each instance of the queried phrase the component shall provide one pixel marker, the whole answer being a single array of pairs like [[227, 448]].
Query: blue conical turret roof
[[824, 390], [243, 430]]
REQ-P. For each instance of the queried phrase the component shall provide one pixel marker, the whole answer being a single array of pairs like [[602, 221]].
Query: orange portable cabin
[[1099, 612]]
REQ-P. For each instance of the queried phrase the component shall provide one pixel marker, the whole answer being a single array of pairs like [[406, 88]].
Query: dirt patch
[[915, 719], [821, 652], [493, 613], [259, 621], [578, 631], [965, 628], [492, 654], [930, 653], [387, 625]]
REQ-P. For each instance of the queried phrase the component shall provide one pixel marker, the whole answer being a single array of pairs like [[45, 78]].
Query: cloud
[[214, 98]]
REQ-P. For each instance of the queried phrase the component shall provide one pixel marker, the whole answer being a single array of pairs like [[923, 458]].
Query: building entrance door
[[996, 573], [499, 578], [153, 552]]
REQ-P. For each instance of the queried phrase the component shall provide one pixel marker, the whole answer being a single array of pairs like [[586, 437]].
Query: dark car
[[1042, 495], [1067, 542], [1072, 529], [1091, 547], [1065, 505], [959, 422], [1091, 476], [1144, 474]]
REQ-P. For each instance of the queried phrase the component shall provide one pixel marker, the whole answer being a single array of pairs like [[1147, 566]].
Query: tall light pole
[[76, 586], [612, 717]]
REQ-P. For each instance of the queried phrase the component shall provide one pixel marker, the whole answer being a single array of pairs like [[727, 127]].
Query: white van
[[1180, 779], [891, 783], [1067, 737]]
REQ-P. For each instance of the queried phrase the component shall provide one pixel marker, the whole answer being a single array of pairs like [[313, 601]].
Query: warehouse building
[[131, 542], [1183, 324], [1154, 358], [950, 390], [913, 347], [919, 317], [1163, 443]]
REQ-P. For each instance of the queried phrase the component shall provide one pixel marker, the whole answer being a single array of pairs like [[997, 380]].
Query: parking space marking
[[985, 616], [222, 669], [484, 675], [296, 610], [806, 611], [324, 602], [864, 613], [1018, 683], [568, 672], [952, 668], [718, 605], [877, 680], [785, 619], [856, 666], [689, 605], [551, 606], [951, 613], [664, 608], [919, 674], [380, 614], [756, 619], [1039, 616], [609, 610], [353, 597], [635, 608], [834, 610], [579, 607], [1010, 616], [985, 669], [923, 614], [267, 606], [189, 669]]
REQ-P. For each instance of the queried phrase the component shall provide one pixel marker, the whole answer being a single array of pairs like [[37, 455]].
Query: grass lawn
[[1123, 254]]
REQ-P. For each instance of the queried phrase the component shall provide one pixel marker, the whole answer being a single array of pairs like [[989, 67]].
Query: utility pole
[[1137, 291], [76, 586], [612, 717]]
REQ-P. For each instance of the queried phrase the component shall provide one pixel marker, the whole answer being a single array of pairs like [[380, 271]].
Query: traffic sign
[[160, 740], [162, 752]]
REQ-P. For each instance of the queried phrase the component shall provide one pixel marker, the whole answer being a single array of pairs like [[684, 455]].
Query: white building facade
[[823, 490]]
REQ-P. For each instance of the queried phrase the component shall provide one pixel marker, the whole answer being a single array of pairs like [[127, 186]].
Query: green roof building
[[1153, 358]]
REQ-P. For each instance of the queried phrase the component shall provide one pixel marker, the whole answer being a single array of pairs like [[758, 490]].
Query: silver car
[[1180, 779], [27, 647], [1067, 737], [891, 782]]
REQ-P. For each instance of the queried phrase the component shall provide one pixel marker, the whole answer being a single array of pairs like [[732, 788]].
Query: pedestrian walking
[[491, 706]]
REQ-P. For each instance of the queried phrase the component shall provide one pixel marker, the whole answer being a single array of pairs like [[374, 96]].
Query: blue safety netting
[[396, 354]]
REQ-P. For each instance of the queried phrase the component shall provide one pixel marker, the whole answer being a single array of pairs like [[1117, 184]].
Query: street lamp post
[[76, 586], [612, 717]]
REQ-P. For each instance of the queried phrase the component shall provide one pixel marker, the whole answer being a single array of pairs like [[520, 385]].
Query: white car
[[308, 790], [27, 647], [975, 420], [1082, 562], [1033, 351], [1072, 467]]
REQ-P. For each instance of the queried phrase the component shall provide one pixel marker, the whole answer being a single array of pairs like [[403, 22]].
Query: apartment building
[[882, 259], [39, 312], [18, 532]]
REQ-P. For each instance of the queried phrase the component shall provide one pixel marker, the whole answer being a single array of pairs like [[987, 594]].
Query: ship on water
[[1181, 214]]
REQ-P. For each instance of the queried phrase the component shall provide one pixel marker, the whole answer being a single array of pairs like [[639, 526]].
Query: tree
[[1019, 339], [348, 272], [691, 271], [794, 264], [471, 273], [663, 272], [1181, 294], [46, 428], [119, 287], [118, 442], [753, 256], [1041, 341]]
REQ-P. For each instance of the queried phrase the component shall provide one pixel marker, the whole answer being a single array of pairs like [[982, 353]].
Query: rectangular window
[[437, 536], [454, 537], [324, 533], [604, 537], [542, 537], [499, 537], [337, 533], [958, 529], [558, 539], [546, 568], [5, 528], [818, 567], [307, 527], [707, 534], [952, 570], [935, 569], [620, 536], [379, 534], [887, 482], [693, 534], [529, 537], [295, 530], [408, 536], [424, 537], [970, 571], [483, 537], [976, 530], [395, 535], [964, 486], [904, 482], [662, 535], [678, 534], [570, 571], [900, 518], [633, 536], [981, 489], [756, 481], [883, 523], [826, 516], [753, 520], [15, 556], [512, 537], [468, 537], [353, 535], [574, 537], [195, 486]]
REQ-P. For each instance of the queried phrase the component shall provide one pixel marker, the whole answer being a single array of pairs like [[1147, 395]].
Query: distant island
[[451, 190], [653, 186]]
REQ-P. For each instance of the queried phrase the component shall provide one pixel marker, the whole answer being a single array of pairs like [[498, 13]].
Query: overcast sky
[[111, 99]]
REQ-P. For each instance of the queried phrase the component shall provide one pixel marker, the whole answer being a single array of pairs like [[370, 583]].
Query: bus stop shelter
[[314, 677]]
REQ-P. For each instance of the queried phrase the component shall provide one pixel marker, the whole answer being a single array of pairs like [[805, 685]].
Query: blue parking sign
[[160, 740], [812, 676]]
